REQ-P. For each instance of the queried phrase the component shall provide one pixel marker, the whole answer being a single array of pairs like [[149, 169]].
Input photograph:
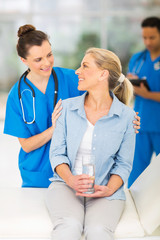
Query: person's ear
[[24, 61], [104, 75]]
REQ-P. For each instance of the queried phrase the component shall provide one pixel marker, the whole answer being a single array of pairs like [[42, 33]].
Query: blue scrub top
[[149, 110], [35, 167]]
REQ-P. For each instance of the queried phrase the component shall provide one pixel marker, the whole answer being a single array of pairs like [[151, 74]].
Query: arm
[[143, 92], [124, 157], [114, 183], [153, 96], [60, 162], [38, 140]]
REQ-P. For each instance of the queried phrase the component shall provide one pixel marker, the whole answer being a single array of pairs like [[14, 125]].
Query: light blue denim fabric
[[113, 140]]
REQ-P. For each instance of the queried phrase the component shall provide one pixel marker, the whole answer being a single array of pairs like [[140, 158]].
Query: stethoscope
[[33, 94], [140, 61]]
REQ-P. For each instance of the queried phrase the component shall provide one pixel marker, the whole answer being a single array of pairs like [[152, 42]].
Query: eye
[[37, 59], [50, 54], [84, 65]]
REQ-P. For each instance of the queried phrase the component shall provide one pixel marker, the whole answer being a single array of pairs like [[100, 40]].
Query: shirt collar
[[78, 104], [116, 107]]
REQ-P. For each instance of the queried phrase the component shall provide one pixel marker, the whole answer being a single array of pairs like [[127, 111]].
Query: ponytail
[[124, 91]]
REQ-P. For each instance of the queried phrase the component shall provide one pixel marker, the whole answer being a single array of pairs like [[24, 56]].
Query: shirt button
[[94, 148], [95, 135]]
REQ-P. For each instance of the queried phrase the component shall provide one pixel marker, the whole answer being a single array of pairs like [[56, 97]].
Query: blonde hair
[[108, 60]]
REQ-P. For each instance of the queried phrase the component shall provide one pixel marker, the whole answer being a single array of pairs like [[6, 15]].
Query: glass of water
[[88, 167]]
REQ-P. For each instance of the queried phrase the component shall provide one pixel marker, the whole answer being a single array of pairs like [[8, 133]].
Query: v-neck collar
[[37, 89], [155, 60]]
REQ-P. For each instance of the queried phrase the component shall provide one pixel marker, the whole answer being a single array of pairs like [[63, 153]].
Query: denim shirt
[[113, 141]]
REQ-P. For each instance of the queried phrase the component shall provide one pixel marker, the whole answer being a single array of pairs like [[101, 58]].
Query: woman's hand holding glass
[[83, 183], [80, 183]]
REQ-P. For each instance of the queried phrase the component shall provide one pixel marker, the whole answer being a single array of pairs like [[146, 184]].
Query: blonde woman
[[100, 123]]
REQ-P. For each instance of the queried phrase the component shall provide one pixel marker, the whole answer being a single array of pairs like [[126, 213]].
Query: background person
[[34, 122], [98, 122], [147, 103]]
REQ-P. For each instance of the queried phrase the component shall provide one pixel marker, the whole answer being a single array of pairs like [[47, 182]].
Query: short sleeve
[[14, 124]]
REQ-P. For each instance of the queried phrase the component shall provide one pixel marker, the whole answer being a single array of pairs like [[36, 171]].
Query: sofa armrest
[[146, 195]]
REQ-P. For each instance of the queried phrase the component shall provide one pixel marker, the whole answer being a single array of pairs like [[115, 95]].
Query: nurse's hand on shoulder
[[56, 113], [100, 191], [137, 123]]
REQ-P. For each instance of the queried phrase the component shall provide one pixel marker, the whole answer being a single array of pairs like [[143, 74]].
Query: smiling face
[[151, 38], [40, 59], [89, 74]]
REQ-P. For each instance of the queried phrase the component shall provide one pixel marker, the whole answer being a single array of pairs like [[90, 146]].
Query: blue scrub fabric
[[35, 167], [149, 111]]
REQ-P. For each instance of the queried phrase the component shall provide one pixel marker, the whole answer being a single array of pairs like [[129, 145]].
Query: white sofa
[[23, 214]]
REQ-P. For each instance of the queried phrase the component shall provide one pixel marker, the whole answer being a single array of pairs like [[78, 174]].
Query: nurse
[[31, 119], [146, 64]]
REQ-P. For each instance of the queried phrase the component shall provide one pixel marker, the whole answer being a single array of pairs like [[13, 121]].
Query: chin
[[80, 88], [48, 73]]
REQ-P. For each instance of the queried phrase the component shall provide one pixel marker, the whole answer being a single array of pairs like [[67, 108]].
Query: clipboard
[[137, 82]]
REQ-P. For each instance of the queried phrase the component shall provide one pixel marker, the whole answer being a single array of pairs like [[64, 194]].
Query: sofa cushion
[[23, 214], [129, 225], [146, 194]]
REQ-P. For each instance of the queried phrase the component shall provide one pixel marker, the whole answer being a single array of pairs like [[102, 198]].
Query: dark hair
[[151, 22], [28, 37]]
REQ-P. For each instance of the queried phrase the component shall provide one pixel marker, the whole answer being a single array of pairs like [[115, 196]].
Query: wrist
[[69, 180], [149, 95], [109, 191], [50, 131]]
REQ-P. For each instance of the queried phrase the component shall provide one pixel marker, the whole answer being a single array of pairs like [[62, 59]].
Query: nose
[[147, 42], [46, 61], [78, 71]]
